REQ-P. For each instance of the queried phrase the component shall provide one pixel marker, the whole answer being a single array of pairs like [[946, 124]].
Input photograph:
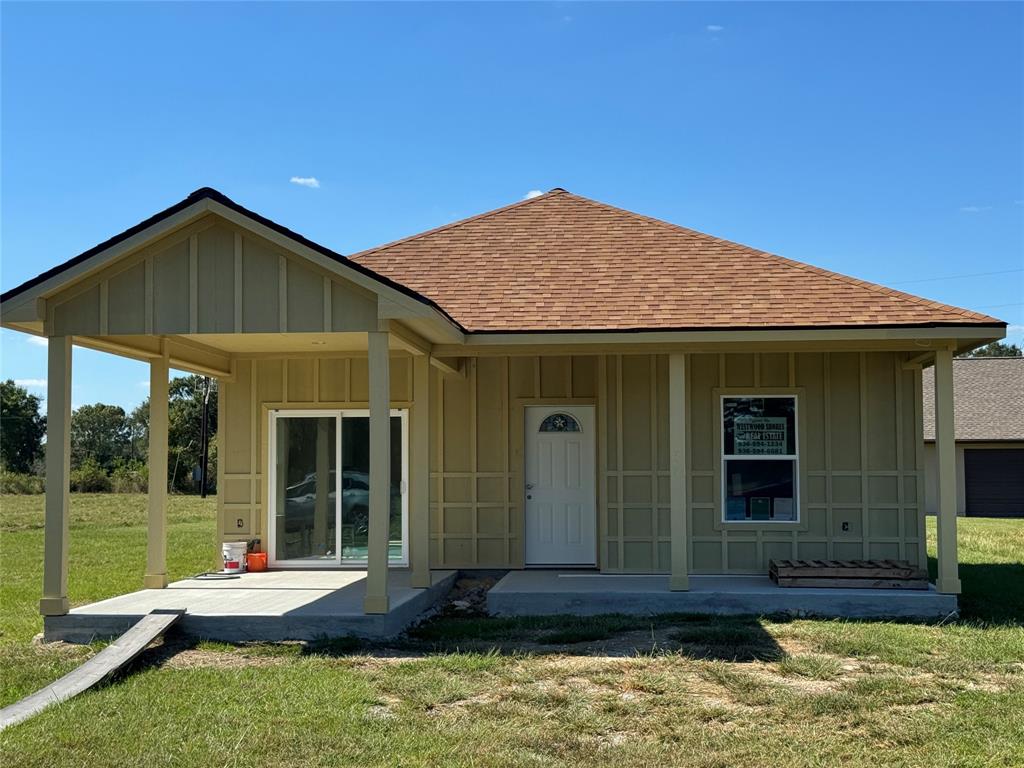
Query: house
[[988, 419], [556, 384]]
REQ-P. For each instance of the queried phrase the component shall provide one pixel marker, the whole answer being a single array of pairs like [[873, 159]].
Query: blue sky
[[884, 141]]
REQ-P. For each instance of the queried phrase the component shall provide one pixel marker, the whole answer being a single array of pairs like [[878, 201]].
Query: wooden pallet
[[848, 574]]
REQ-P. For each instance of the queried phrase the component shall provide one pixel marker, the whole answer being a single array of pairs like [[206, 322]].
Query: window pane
[[305, 513], [759, 426], [560, 422], [759, 489], [355, 482]]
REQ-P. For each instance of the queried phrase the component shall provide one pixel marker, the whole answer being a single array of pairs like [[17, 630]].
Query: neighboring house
[[569, 385], [989, 430]]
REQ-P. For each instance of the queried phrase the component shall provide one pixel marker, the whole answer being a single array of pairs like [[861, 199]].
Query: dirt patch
[[196, 659], [60, 648], [452, 707]]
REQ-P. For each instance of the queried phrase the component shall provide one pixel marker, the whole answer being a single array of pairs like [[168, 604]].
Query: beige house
[[554, 384]]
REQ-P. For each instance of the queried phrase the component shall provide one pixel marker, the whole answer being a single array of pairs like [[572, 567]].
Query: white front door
[[561, 486]]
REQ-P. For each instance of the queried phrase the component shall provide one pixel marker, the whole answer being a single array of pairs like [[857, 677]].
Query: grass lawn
[[615, 690]]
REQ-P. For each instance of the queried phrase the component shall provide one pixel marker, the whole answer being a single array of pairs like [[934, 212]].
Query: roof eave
[[964, 333]]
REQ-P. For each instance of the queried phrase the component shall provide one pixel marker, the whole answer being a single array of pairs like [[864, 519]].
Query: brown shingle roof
[[561, 262], [988, 399]]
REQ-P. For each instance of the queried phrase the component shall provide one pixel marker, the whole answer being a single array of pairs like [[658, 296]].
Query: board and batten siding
[[211, 277], [860, 458], [859, 431], [262, 384]]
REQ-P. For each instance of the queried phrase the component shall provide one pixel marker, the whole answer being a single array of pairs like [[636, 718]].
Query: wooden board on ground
[[856, 574], [106, 662]]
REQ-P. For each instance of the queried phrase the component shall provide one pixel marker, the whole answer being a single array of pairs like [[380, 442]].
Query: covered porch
[[385, 574], [209, 288], [266, 607]]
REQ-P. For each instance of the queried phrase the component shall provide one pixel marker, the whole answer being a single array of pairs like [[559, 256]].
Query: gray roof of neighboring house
[[988, 394]]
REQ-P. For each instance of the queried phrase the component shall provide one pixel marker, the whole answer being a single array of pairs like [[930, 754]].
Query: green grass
[[107, 557], [604, 691]]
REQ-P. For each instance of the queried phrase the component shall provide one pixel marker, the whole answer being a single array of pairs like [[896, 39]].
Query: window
[[759, 458], [560, 422], [313, 454]]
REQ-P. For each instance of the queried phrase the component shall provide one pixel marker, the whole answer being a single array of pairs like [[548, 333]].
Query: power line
[[958, 277]]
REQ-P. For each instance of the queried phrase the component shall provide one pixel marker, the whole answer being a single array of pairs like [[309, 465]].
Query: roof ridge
[[476, 217], [803, 266]]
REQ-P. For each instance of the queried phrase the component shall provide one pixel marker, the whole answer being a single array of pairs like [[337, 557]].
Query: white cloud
[[31, 383], [1013, 330], [532, 194], [975, 208], [306, 181], [715, 28], [37, 341]]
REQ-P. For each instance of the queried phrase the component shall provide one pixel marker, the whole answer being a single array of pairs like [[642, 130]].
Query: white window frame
[[338, 414], [794, 457]]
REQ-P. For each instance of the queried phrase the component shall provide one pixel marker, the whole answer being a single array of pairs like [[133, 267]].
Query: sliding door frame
[[339, 414]]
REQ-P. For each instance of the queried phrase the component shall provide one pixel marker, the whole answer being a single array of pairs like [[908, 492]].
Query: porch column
[[58, 468], [376, 600], [680, 578], [156, 546], [419, 475], [945, 453]]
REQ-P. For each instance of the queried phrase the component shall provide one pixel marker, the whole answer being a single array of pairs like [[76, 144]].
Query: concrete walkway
[[270, 606], [539, 593]]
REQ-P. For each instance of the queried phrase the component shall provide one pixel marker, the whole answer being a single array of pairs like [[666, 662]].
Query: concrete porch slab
[[269, 606], [546, 593]]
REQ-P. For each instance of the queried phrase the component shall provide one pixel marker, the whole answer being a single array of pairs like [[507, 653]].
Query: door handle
[[529, 486]]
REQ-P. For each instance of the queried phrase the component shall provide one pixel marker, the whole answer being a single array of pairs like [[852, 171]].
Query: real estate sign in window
[[759, 458]]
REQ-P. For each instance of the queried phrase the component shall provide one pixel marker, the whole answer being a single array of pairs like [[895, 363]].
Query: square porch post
[[156, 545], [376, 600], [680, 578], [419, 476], [948, 580], [58, 469]]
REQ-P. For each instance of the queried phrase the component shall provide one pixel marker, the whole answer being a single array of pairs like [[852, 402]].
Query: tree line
[[109, 447]]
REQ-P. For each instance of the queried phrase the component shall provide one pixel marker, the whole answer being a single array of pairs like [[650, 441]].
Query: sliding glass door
[[315, 520]]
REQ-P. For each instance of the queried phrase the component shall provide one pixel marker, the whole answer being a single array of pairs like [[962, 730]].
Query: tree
[[184, 430], [22, 428], [99, 432], [996, 349]]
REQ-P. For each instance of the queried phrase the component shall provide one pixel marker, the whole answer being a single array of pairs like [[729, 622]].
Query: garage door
[[995, 482]]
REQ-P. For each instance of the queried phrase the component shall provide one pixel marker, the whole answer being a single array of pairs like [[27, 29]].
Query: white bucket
[[234, 556]]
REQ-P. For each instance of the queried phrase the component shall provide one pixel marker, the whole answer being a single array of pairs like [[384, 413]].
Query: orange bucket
[[256, 561]]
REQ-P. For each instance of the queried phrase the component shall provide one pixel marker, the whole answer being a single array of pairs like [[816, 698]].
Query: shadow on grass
[[993, 593], [739, 639]]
